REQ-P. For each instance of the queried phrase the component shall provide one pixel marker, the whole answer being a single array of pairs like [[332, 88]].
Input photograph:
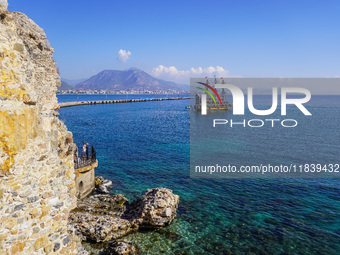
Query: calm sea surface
[[146, 145]]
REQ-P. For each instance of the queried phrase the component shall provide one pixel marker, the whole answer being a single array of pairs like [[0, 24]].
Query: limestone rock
[[102, 185], [100, 228], [4, 3], [157, 208], [103, 204], [103, 218], [37, 176], [99, 218]]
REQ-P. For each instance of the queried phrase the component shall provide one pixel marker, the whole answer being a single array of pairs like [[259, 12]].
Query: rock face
[[99, 218], [100, 228], [37, 188], [103, 218], [4, 3], [102, 185], [157, 208]]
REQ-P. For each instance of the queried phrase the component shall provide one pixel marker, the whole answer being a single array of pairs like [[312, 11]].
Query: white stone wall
[[4, 3], [37, 187]]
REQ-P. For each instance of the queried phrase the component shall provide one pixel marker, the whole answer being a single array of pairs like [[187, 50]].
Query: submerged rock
[[102, 218], [122, 248]]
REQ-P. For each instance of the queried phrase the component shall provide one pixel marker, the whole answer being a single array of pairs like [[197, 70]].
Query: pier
[[69, 104]]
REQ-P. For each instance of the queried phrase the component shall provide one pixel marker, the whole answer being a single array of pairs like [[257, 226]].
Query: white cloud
[[173, 74], [124, 55]]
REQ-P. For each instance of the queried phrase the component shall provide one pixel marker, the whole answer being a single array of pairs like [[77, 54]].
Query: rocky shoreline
[[103, 219]]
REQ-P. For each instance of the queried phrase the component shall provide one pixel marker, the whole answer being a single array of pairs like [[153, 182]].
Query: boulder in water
[[107, 217], [157, 208], [102, 185]]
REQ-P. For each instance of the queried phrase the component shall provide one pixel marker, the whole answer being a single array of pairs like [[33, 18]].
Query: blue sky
[[175, 40]]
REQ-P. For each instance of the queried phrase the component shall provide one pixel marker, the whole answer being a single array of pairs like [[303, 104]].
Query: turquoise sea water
[[146, 145]]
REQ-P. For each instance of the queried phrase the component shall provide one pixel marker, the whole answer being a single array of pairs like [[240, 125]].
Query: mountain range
[[65, 86], [132, 79], [73, 82]]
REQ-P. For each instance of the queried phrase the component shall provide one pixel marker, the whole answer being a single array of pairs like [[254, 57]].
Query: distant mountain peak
[[131, 79]]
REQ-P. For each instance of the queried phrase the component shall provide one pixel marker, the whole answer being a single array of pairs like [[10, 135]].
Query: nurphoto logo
[[295, 96]]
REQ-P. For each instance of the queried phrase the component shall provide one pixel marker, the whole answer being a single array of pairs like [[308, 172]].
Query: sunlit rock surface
[[103, 218], [37, 188]]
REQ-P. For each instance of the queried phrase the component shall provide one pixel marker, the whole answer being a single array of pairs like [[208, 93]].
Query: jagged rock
[[100, 228], [102, 185], [103, 204], [157, 208], [122, 248], [98, 218], [102, 218], [4, 3]]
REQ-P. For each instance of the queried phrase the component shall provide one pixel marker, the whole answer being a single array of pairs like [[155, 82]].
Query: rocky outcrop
[[157, 208], [4, 3], [102, 185], [103, 204], [37, 188], [99, 218], [100, 228], [103, 218]]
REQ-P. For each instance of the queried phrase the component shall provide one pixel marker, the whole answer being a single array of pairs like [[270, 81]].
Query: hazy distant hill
[[132, 79], [65, 86], [73, 82]]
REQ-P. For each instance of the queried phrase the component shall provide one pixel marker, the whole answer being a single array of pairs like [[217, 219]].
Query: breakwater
[[69, 104]]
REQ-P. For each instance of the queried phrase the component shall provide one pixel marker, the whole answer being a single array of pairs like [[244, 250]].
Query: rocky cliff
[[37, 187]]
